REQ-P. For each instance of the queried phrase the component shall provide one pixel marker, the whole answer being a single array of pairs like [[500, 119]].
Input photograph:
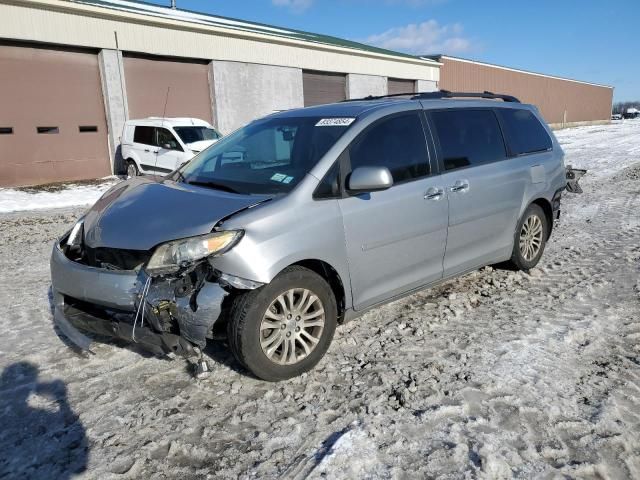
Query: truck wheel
[[530, 238], [132, 169], [284, 328]]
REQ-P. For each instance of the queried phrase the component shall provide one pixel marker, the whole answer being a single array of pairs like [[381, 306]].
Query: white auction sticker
[[335, 122]]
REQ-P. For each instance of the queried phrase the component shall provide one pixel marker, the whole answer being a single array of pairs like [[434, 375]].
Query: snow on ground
[[601, 148], [497, 374], [46, 197]]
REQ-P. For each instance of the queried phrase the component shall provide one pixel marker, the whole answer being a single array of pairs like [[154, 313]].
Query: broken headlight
[[172, 256], [75, 237]]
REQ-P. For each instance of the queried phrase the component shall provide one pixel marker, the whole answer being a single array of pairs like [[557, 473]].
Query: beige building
[[72, 72]]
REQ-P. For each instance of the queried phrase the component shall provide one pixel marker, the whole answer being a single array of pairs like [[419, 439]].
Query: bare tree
[[621, 107]]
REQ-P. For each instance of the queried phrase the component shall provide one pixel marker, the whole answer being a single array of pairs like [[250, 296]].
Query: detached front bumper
[[179, 313]]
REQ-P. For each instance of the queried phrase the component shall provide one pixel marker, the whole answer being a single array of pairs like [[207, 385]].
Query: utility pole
[[173, 4]]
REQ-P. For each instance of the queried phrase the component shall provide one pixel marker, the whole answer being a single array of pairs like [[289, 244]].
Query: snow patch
[[16, 200], [352, 455]]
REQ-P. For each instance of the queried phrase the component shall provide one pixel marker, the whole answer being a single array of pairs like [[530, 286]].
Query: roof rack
[[439, 94], [448, 94]]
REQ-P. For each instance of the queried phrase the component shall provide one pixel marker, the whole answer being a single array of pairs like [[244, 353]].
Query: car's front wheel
[[530, 238], [284, 328]]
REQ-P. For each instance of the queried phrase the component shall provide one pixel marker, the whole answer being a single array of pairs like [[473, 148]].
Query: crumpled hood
[[201, 145], [140, 213]]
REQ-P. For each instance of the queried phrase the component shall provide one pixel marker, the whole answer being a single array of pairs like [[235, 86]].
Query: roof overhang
[[109, 10]]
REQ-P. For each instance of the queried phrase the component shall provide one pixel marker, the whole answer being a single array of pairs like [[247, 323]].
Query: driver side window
[[398, 143], [165, 137]]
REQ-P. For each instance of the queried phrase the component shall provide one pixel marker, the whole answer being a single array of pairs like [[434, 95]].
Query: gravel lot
[[498, 374]]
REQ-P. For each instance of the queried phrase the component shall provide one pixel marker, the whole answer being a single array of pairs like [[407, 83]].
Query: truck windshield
[[266, 156], [196, 134]]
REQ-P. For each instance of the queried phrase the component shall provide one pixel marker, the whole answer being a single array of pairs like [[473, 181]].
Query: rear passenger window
[[144, 135], [468, 137], [397, 143], [525, 134]]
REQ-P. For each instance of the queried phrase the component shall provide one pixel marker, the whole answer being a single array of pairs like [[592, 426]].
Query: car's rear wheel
[[132, 169], [530, 238], [283, 329]]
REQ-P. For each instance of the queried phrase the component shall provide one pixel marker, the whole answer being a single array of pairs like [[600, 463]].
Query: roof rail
[[448, 94], [439, 94]]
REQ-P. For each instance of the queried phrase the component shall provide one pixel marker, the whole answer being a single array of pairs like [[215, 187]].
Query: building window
[[87, 128], [6, 130], [48, 129]]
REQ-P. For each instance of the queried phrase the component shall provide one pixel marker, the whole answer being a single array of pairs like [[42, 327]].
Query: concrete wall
[[359, 86], [560, 126], [245, 91], [114, 93]]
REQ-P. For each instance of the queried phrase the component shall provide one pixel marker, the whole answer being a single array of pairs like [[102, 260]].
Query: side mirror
[[166, 146], [369, 179]]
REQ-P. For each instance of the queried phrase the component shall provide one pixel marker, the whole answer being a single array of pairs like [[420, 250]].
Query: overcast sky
[[592, 40]]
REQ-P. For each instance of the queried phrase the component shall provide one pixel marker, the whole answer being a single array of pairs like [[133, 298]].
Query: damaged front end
[[112, 292]]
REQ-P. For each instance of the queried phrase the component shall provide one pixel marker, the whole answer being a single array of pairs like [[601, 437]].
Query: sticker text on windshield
[[335, 122]]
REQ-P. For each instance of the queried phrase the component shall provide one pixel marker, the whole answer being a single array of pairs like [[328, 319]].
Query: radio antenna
[[164, 114]]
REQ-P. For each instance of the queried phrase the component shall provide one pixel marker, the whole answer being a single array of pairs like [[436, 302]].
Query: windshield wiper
[[215, 186]]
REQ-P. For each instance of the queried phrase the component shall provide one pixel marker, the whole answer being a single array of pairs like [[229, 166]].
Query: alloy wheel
[[292, 326], [531, 237]]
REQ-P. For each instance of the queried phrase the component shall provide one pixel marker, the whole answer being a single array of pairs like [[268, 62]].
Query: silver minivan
[[308, 218]]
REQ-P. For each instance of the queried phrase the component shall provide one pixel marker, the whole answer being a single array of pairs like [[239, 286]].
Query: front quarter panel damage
[[192, 303]]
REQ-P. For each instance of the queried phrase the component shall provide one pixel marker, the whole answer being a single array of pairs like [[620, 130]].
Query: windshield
[[266, 156], [196, 134]]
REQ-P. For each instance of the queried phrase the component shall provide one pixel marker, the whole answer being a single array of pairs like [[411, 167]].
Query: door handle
[[146, 150], [459, 186], [434, 194]]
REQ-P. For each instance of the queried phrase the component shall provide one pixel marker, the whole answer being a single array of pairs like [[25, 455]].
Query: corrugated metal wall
[[582, 102]]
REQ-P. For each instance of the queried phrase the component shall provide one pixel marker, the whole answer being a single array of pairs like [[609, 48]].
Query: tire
[[132, 169], [528, 249], [251, 331]]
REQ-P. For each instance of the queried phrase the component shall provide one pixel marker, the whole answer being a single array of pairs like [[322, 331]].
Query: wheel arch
[[130, 155], [548, 212], [332, 277]]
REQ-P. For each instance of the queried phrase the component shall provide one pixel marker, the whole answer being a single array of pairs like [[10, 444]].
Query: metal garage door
[[148, 80], [396, 85], [52, 120], [323, 87]]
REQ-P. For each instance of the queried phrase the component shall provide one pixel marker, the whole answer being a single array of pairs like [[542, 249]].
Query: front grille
[[115, 258]]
